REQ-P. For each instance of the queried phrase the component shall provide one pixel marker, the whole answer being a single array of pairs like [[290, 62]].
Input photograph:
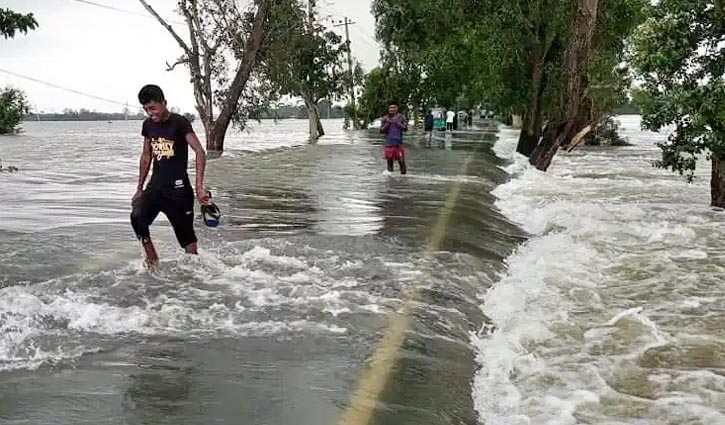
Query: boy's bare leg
[[191, 248], [152, 258]]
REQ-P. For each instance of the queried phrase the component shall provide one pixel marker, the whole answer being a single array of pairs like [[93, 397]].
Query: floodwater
[[591, 294], [276, 320], [613, 311]]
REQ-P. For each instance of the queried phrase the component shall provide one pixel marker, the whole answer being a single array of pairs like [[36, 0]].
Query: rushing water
[[613, 311], [610, 311], [275, 321]]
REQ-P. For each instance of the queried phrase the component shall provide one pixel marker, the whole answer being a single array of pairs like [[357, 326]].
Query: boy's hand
[[202, 196], [136, 197]]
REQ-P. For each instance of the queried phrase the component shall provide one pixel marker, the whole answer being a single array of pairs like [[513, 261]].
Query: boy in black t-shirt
[[167, 137]]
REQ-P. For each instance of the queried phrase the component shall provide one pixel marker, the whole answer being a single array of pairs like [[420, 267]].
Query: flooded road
[[603, 304], [277, 319]]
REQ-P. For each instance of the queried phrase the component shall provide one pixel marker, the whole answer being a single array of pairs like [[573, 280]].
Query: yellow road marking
[[374, 380]]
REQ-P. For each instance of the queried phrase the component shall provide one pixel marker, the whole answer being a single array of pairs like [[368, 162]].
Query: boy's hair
[[151, 93], [393, 102]]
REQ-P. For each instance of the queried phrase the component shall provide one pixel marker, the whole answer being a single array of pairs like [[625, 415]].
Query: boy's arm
[[403, 123], [143, 169], [145, 163], [386, 126]]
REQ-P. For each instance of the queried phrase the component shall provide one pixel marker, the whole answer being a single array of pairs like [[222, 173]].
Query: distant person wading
[[393, 126], [450, 117]]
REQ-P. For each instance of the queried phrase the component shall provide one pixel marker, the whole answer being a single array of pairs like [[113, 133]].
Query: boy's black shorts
[[178, 206]]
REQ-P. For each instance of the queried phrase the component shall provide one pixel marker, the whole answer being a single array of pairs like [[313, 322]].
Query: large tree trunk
[[566, 123], [320, 129], [531, 128], [313, 114], [199, 56], [239, 83], [717, 182], [215, 135]]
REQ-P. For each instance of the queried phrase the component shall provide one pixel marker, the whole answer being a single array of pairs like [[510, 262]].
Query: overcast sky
[[111, 54]]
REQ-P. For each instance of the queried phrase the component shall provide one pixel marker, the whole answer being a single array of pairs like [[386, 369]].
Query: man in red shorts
[[394, 125]]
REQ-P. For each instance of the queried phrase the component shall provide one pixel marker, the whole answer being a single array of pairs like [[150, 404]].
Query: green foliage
[[305, 61], [380, 88], [610, 78], [460, 53], [606, 134], [12, 22], [13, 106], [679, 54], [426, 45]]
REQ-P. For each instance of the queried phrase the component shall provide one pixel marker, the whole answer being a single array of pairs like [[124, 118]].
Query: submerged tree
[[306, 61], [13, 107], [680, 56], [222, 53], [566, 122], [549, 60]]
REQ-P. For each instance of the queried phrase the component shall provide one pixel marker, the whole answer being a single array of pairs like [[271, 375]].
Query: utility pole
[[347, 23]]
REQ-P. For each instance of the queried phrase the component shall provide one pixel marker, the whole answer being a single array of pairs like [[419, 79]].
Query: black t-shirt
[[169, 150]]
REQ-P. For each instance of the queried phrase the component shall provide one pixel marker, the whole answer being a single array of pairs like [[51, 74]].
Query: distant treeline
[[290, 111], [83, 115], [281, 112]]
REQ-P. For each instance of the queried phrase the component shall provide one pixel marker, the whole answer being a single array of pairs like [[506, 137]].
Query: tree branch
[[202, 83], [168, 27], [181, 61], [251, 51]]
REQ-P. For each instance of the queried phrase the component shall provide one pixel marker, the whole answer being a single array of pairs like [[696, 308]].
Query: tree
[[680, 57], [425, 51], [13, 106], [222, 53], [306, 62], [566, 123], [510, 56], [12, 22], [593, 82]]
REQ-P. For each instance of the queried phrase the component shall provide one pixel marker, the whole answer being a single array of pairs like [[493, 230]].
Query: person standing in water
[[393, 126], [450, 117], [167, 138]]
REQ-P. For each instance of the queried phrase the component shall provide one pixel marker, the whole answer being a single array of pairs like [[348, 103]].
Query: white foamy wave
[[250, 290], [594, 317]]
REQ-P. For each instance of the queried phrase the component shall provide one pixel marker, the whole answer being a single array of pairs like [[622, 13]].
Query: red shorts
[[395, 153]]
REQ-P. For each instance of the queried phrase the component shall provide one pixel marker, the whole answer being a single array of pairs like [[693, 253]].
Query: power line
[[63, 88], [116, 9], [364, 39], [331, 9], [361, 34]]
